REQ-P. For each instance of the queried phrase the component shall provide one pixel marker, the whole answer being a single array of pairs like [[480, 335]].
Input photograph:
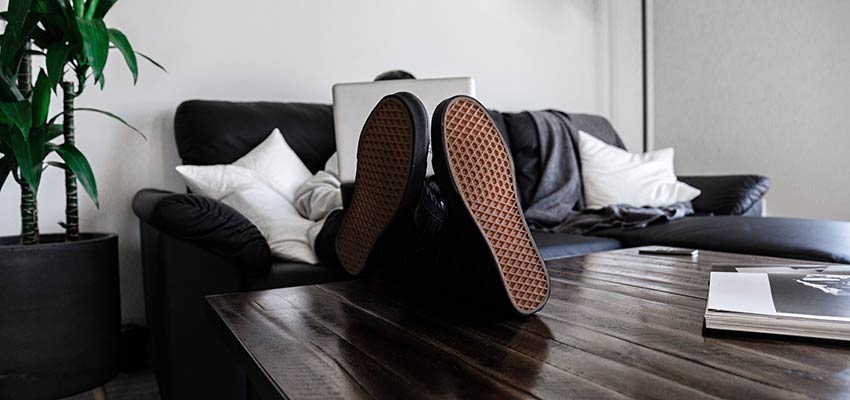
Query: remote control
[[669, 251]]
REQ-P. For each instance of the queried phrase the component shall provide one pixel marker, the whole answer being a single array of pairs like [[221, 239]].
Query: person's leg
[[420, 246], [391, 165], [325, 242], [486, 229]]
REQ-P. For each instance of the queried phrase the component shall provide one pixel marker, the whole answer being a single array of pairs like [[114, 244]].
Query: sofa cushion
[[803, 239], [612, 176], [728, 194], [599, 127], [557, 245], [288, 274], [261, 186], [219, 132]]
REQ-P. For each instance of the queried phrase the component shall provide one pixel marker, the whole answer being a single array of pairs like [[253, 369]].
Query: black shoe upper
[[430, 214]]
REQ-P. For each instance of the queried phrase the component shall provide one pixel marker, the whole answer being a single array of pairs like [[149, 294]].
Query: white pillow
[[612, 175], [276, 163], [261, 186]]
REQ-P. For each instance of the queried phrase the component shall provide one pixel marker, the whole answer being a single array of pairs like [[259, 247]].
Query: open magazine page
[[814, 295], [782, 269]]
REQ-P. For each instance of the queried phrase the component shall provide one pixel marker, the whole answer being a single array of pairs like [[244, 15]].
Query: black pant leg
[[325, 244]]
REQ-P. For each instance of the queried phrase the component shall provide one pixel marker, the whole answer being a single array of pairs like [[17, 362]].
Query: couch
[[193, 247]]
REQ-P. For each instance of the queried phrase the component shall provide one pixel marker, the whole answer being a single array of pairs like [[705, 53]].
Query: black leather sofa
[[193, 247]]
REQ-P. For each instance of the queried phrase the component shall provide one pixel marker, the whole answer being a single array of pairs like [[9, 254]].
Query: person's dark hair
[[394, 75]]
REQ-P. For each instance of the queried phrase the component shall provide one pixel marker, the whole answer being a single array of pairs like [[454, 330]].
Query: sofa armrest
[[206, 223], [185, 355], [728, 194]]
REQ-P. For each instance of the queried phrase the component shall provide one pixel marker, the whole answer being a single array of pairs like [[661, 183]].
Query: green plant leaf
[[54, 131], [17, 14], [18, 114], [36, 149], [115, 117], [9, 88], [91, 5], [79, 8], [58, 165], [152, 61], [5, 131], [16, 34], [120, 41], [40, 99], [95, 45], [102, 8], [24, 156], [49, 6], [79, 165], [6, 165], [59, 22], [41, 38], [57, 58]]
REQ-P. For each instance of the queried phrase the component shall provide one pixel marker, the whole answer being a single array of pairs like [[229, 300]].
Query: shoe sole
[[391, 158], [474, 162]]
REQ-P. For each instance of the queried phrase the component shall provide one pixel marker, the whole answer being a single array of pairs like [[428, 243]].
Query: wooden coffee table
[[618, 325]]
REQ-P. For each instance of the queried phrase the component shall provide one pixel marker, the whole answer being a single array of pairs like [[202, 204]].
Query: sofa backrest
[[219, 132]]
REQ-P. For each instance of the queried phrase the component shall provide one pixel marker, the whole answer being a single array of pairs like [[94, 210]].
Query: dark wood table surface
[[618, 325]]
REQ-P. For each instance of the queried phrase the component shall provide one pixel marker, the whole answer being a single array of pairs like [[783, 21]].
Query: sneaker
[[391, 166], [474, 169]]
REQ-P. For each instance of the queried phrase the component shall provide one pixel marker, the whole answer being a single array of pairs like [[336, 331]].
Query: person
[[394, 75], [462, 228]]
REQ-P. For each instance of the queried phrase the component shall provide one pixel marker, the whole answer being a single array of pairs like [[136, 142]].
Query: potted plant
[[59, 293]]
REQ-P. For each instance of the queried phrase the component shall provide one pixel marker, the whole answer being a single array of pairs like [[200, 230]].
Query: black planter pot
[[60, 315]]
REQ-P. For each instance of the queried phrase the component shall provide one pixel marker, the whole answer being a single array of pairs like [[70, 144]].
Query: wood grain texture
[[618, 325]]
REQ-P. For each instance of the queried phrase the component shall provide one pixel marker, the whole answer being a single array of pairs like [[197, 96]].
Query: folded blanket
[[559, 191], [557, 204], [618, 215]]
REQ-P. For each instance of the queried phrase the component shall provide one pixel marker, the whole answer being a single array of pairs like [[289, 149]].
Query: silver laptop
[[354, 101]]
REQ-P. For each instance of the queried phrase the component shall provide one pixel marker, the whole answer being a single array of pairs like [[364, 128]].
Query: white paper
[[746, 293], [799, 269]]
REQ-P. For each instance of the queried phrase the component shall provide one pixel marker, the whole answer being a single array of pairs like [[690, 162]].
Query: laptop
[[354, 101]]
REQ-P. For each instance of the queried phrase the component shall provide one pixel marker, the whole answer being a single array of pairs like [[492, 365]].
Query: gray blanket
[[558, 204], [559, 191]]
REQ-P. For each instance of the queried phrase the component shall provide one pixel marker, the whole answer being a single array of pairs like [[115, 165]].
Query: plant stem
[[29, 203], [72, 214], [25, 72], [29, 215]]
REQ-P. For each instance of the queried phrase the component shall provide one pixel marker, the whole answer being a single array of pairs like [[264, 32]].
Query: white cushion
[[611, 175], [261, 186], [277, 164]]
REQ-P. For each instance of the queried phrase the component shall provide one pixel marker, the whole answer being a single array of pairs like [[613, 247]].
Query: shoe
[[430, 215], [474, 169], [391, 166]]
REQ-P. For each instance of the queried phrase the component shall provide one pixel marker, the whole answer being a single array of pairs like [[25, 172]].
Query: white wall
[[523, 55], [619, 45], [758, 86]]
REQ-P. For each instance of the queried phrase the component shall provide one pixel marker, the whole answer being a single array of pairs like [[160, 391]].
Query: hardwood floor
[[139, 385]]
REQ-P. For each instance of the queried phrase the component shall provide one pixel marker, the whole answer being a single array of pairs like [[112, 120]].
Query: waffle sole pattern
[[483, 174], [384, 159]]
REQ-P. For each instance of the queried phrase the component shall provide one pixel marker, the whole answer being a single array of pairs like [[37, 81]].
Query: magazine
[[799, 300]]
